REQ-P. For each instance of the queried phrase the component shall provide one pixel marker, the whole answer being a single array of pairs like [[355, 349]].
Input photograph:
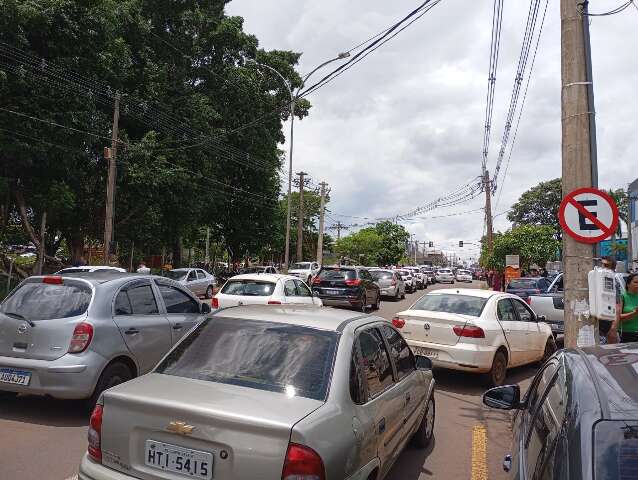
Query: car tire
[[364, 306], [403, 295], [397, 296], [550, 348], [377, 305], [112, 375], [7, 396], [424, 434], [497, 374], [209, 292]]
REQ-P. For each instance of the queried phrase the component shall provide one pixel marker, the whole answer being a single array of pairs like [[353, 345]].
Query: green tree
[[393, 238], [622, 200], [539, 206], [533, 243], [383, 244]]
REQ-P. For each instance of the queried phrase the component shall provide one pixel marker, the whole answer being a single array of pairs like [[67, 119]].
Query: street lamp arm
[[341, 56]]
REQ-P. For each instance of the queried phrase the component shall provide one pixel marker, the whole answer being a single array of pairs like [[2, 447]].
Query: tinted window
[[192, 276], [357, 392], [451, 303], [616, 449], [177, 301], [249, 288], [142, 300], [176, 275], [523, 283], [382, 275], [337, 274], [524, 313], [200, 275], [261, 355], [302, 289], [506, 312], [44, 301], [377, 368], [290, 290], [400, 352], [122, 304]]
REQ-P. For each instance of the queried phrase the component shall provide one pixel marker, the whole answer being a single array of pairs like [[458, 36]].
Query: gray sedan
[[73, 336], [198, 281], [390, 283], [269, 393]]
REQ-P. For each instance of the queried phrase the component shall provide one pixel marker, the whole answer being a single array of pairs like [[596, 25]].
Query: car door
[[182, 310], [384, 405], [201, 282], [147, 333], [304, 294], [290, 291], [516, 332], [191, 281], [536, 336]]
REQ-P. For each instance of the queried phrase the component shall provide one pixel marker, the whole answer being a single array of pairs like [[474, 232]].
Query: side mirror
[[503, 398], [541, 318], [205, 308], [423, 363]]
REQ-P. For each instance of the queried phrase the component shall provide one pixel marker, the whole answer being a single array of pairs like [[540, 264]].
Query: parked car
[[421, 280], [268, 393], [342, 286], [524, 287], [408, 280], [463, 276], [198, 281], [390, 283], [579, 417], [430, 274], [477, 331], [72, 337], [89, 268], [264, 289], [304, 270], [260, 269], [444, 275]]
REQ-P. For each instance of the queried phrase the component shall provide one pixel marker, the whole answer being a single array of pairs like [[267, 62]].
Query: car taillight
[[82, 336], [302, 463], [398, 322], [529, 300], [274, 302], [95, 434], [353, 283], [470, 331], [215, 302], [394, 282], [316, 281], [53, 280]]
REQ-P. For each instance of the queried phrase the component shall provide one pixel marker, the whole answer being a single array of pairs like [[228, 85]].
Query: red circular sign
[[590, 218]]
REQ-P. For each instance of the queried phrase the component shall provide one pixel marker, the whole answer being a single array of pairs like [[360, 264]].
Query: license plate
[[424, 352], [180, 460], [16, 377], [332, 292]]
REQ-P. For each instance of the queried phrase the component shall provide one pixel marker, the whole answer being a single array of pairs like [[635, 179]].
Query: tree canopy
[[382, 244], [539, 206]]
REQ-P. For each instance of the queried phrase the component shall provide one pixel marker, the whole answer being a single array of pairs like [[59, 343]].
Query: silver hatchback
[[72, 337], [269, 393]]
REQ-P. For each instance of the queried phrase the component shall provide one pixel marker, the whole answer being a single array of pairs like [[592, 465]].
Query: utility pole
[[110, 185], [207, 256], [322, 211], [416, 250], [339, 226], [487, 186], [300, 218], [578, 168], [41, 252]]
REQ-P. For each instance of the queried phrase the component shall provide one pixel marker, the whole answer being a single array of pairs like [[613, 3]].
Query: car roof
[[184, 269], [302, 315], [273, 277], [97, 278]]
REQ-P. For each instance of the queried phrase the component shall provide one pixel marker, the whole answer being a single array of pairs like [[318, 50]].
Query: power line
[[615, 11]]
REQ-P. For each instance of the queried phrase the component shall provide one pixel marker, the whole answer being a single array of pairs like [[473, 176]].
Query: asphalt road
[[44, 439]]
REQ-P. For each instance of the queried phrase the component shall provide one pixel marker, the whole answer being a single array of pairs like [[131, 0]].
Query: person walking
[[143, 269], [626, 325]]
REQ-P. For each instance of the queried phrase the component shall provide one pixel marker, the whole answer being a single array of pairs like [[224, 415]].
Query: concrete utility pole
[[300, 218], [487, 185], [322, 212], [110, 185], [577, 130], [339, 226]]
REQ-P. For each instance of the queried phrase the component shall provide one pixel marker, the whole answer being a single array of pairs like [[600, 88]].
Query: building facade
[[633, 221]]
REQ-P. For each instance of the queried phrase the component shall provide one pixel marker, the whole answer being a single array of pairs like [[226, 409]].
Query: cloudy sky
[[405, 126]]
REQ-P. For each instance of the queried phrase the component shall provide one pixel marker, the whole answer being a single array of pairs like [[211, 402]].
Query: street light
[[294, 96]]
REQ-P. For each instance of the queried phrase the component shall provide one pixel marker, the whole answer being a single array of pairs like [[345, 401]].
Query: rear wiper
[[17, 316]]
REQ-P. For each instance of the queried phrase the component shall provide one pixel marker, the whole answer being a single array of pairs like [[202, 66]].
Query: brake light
[[95, 434], [316, 280], [82, 336], [302, 463], [353, 283], [215, 302], [274, 302], [52, 280], [529, 300], [398, 322], [470, 331]]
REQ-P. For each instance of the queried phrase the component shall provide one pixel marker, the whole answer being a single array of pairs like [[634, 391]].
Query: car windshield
[[269, 356], [301, 266], [445, 271], [451, 303], [523, 283], [176, 274], [254, 270], [381, 275], [45, 301], [337, 274], [248, 288]]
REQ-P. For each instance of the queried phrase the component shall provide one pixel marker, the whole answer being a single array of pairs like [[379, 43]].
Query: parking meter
[[602, 294]]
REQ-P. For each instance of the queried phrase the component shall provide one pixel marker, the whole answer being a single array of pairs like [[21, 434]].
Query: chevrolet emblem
[[180, 427]]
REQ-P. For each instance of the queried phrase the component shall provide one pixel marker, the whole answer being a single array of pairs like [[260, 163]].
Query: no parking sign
[[588, 215]]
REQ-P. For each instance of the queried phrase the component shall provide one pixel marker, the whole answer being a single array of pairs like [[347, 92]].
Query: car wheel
[[377, 304], [112, 375], [550, 348], [403, 295], [209, 292], [364, 306], [496, 376], [7, 396], [424, 434]]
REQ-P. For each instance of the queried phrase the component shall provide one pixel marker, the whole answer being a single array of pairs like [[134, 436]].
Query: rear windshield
[[337, 274], [301, 266], [176, 275], [523, 283], [381, 275], [616, 449], [249, 288], [464, 272], [253, 270], [451, 303], [445, 271], [43, 301], [262, 355]]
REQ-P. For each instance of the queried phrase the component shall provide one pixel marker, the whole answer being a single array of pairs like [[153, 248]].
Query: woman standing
[[627, 322]]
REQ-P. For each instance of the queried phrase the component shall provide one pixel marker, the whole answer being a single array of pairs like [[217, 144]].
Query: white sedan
[[444, 275], [264, 289], [476, 331], [464, 276]]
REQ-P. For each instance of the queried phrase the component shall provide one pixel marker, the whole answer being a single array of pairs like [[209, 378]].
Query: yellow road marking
[[479, 453]]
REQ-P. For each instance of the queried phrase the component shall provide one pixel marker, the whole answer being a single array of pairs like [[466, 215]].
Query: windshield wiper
[[17, 316]]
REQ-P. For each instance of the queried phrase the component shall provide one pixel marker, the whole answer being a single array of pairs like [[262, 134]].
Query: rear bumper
[[462, 356], [90, 470], [68, 377], [341, 302], [389, 291]]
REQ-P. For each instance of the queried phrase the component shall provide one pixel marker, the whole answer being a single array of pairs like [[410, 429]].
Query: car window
[[377, 368], [382, 275], [451, 303], [523, 283], [400, 352], [200, 275], [290, 290], [524, 313], [177, 301], [337, 274], [250, 288], [36, 301], [192, 276], [506, 312], [142, 300], [357, 391], [122, 304], [302, 289], [538, 387], [558, 286]]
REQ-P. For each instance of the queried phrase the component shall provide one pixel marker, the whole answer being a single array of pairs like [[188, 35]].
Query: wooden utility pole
[[577, 158], [322, 211], [300, 215], [487, 186], [110, 185], [42, 251]]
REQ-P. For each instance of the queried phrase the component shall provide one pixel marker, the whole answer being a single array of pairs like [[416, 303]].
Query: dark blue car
[[524, 287]]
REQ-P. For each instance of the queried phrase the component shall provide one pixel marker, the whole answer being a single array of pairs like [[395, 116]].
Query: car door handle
[[177, 326], [132, 331], [382, 425]]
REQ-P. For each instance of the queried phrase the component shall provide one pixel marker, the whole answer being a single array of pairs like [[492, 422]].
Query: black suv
[[352, 287], [579, 418]]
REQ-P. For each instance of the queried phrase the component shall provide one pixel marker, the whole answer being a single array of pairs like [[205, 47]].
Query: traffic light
[[460, 243], [431, 245]]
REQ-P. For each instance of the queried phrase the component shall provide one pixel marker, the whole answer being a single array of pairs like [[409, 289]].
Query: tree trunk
[[22, 209], [177, 253], [76, 247]]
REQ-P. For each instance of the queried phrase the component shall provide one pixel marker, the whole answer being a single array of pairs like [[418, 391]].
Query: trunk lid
[[249, 427], [38, 319], [439, 327]]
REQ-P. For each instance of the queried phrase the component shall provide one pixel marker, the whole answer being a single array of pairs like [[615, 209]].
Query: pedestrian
[[80, 262], [143, 269], [626, 325]]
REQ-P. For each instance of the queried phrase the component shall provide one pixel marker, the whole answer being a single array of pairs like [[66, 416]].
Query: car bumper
[[462, 356], [389, 291], [68, 377], [341, 302], [90, 470], [445, 280]]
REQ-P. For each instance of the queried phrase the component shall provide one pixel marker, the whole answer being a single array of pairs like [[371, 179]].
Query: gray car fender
[[365, 471]]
